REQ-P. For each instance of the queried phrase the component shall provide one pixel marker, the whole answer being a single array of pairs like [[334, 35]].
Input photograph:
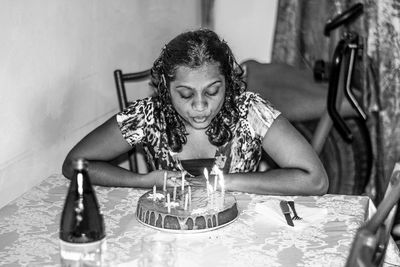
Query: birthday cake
[[202, 211]]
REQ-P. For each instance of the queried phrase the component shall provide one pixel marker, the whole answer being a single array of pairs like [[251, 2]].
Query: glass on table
[[158, 250]]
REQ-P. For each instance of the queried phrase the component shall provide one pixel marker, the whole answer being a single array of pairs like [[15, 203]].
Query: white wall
[[247, 26], [56, 63]]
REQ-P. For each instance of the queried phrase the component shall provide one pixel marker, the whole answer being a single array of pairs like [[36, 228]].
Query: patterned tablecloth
[[29, 231]]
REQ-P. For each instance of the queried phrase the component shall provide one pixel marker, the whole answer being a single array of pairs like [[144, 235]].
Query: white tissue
[[270, 213]]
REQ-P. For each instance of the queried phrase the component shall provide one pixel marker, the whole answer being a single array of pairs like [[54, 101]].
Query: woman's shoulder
[[142, 102], [137, 120], [259, 112], [249, 99], [248, 96], [143, 105], [139, 110]]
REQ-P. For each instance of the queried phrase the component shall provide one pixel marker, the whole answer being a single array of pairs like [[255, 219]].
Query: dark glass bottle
[[82, 231]]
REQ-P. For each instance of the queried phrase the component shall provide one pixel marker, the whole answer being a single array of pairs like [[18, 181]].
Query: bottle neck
[[80, 182], [81, 220]]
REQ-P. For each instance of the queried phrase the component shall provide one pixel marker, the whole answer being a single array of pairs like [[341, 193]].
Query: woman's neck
[[197, 146]]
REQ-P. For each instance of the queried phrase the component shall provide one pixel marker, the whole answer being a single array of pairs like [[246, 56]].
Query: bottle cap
[[80, 164]]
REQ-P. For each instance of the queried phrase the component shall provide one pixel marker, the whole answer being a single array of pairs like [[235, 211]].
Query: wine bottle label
[[93, 252]]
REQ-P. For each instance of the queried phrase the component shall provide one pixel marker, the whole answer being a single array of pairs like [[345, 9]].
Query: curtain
[[383, 18], [299, 41]]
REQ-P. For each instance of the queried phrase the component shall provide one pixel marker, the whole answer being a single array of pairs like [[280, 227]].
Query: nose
[[199, 103]]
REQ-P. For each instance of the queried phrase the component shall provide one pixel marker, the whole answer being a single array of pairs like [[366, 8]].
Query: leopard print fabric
[[242, 154]]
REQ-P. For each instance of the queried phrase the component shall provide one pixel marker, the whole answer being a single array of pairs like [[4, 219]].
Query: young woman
[[202, 114]]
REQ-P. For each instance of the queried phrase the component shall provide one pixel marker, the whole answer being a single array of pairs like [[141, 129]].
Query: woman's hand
[[196, 181], [174, 178], [157, 176]]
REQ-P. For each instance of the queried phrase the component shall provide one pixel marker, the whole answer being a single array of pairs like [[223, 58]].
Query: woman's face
[[198, 94]]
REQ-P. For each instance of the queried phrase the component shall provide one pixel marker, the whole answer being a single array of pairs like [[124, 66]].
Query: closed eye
[[186, 96], [213, 91]]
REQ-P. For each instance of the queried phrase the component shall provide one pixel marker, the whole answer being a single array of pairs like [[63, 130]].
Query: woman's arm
[[300, 171], [103, 145]]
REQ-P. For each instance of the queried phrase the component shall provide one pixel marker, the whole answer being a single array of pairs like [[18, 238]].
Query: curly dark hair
[[193, 49]]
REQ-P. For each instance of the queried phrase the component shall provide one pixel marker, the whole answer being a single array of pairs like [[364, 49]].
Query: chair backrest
[[370, 243], [120, 80], [123, 101]]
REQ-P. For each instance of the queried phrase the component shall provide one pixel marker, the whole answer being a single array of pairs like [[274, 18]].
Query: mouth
[[200, 119]]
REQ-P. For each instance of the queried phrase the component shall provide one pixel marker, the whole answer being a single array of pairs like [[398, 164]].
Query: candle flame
[[215, 170]]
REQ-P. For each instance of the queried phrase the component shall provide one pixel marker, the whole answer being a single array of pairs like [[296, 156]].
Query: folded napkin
[[269, 212]]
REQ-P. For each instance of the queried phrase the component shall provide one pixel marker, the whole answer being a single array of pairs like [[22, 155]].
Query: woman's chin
[[199, 125]]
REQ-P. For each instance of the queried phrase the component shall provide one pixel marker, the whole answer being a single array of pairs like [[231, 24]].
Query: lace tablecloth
[[29, 231]]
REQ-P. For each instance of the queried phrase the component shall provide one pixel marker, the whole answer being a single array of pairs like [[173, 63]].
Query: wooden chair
[[120, 80], [371, 240]]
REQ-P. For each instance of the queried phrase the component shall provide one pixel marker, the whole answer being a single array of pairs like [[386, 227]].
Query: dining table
[[259, 236]]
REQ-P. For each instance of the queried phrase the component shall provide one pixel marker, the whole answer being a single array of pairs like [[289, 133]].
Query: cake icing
[[204, 211]]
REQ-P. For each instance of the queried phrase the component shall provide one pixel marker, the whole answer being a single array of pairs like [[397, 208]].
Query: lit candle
[[222, 184], [210, 188], [216, 181], [205, 174], [168, 203], [207, 185], [154, 192], [221, 181], [183, 182], [210, 198], [165, 182], [174, 196], [186, 201], [190, 194]]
